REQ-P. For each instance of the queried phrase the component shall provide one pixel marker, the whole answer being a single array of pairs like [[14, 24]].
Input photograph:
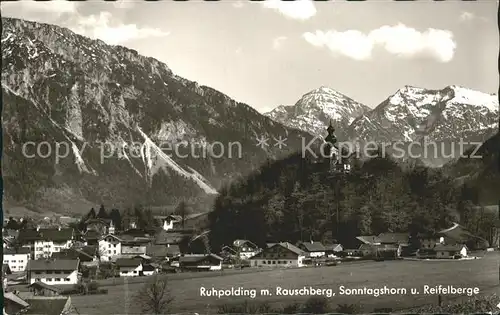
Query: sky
[[270, 53]]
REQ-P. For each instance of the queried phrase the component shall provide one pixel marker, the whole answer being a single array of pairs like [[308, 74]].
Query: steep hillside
[[131, 130], [480, 171]]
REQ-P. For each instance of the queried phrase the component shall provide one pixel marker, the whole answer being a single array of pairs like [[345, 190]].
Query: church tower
[[331, 153]]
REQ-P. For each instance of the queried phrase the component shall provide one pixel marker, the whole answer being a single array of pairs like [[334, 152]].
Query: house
[[85, 257], [129, 267], [335, 248], [200, 262], [228, 252], [42, 289], [91, 237], [367, 250], [426, 253], [245, 248], [161, 252], [173, 251], [5, 271], [171, 220], [364, 239], [113, 246], [53, 271], [16, 259], [134, 245], [451, 251], [163, 237], [174, 221], [279, 255], [149, 269], [13, 304], [99, 225], [313, 249], [393, 238], [109, 246], [44, 242], [55, 305]]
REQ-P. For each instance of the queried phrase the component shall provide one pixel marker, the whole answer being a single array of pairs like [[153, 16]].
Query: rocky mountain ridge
[[411, 114], [97, 101]]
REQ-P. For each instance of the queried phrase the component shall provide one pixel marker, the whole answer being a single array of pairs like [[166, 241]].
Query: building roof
[[58, 264], [290, 247], [449, 248], [19, 251], [91, 235], [156, 250], [47, 306], [313, 246], [368, 239], [50, 234], [166, 237], [128, 262], [40, 284], [148, 268], [6, 269], [173, 250], [90, 250], [106, 222], [197, 257], [14, 298], [336, 246], [393, 238], [228, 249], [72, 253], [367, 247], [240, 243]]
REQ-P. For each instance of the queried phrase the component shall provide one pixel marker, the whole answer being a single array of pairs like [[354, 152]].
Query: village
[[45, 264]]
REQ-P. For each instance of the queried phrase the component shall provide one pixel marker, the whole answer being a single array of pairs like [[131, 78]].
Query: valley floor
[[481, 273]]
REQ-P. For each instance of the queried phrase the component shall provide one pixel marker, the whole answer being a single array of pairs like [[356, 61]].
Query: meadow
[[481, 273]]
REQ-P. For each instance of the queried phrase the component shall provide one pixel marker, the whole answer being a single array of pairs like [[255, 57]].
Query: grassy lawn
[[481, 273]]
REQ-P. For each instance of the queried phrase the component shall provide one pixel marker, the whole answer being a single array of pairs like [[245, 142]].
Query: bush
[[316, 305], [347, 309], [292, 308], [247, 308], [475, 305], [93, 286]]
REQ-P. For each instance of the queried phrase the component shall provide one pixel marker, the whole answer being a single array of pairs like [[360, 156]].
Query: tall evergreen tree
[[102, 214]]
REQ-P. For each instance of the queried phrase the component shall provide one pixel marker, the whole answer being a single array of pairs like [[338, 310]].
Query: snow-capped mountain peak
[[314, 110]]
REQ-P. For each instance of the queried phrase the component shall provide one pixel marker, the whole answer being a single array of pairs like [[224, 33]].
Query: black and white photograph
[[250, 157]]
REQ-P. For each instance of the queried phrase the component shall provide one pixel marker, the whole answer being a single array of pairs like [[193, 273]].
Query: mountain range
[[411, 114], [88, 98]]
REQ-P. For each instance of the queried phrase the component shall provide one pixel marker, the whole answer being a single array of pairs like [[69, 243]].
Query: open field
[[481, 273]]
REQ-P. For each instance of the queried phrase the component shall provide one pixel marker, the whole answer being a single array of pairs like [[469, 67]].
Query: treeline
[[296, 199], [142, 217]]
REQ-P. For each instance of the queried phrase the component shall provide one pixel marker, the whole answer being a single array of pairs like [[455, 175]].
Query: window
[[66, 280], [49, 279], [264, 262], [57, 279]]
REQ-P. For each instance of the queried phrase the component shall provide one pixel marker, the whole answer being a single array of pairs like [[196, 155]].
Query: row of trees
[[296, 200], [141, 216]]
